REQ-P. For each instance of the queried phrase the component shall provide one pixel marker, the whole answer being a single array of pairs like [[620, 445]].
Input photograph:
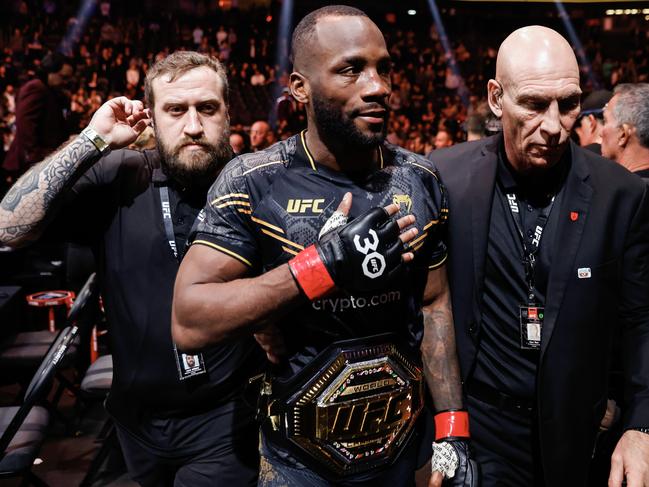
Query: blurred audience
[[625, 135], [434, 91], [259, 136], [588, 127]]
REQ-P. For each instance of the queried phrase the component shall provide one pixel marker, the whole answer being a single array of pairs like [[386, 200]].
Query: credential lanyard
[[166, 218], [188, 365], [530, 247]]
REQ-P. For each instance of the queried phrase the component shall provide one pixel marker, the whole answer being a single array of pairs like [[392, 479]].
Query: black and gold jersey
[[266, 207]]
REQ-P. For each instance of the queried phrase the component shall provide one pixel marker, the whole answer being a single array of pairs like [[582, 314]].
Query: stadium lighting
[[412, 12], [576, 43], [610, 12], [448, 52]]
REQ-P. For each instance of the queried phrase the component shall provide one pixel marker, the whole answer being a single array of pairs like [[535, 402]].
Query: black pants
[[505, 446], [216, 448]]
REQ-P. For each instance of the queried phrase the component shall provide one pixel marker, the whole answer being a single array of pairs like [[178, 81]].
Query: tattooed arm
[[441, 366], [30, 203], [33, 200]]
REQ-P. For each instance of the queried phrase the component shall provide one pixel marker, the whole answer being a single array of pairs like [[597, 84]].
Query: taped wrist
[[310, 273], [453, 423]]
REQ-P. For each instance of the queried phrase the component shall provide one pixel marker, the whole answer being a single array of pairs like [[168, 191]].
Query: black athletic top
[[266, 207]]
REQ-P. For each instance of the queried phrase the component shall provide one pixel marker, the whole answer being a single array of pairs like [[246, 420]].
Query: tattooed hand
[[120, 121]]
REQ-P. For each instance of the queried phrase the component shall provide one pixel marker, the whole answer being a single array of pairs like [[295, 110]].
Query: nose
[[551, 124], [193, 125], [376, 86]]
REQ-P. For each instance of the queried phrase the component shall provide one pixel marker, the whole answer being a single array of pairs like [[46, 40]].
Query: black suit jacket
[[611, 237]]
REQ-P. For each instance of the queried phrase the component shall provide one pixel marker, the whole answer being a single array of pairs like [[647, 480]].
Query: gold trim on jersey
[[246, 212], [263, 165], [306, 149], [224, 250], [430, 224], [423, 167], [418, 239], [312, 161], [418, 246], [439, 264], [290, 251], [266, 224], [282, 239], [235, 202], [231, 195]]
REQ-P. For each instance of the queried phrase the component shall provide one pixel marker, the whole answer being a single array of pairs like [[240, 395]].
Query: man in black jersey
[[335, 238]]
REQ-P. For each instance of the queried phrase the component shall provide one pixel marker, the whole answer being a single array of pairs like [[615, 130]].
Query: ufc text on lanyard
[[531, 314], [188, 365]]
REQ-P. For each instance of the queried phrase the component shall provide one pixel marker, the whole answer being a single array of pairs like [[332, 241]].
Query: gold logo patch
[[304, 206], [402, 199]]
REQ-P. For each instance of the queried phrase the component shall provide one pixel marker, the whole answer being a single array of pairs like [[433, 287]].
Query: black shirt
[[117, 208], [643, 173], [267, 206], [501, 363]]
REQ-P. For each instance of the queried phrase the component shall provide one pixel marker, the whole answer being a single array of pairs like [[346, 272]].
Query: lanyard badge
[[531, 324], [532, 313], [188, 365]]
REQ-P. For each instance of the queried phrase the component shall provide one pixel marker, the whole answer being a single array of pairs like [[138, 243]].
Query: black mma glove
[[451, 453], [359, 256]]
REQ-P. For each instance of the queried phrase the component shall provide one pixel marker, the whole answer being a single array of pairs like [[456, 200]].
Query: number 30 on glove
[[359, 256], [451, 455]]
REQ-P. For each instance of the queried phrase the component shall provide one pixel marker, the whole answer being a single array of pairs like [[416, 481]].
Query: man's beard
[[336, 128], [195, 168]]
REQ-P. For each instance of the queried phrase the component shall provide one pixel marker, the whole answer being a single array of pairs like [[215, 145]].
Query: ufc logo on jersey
[[374, 263], [303, 206]]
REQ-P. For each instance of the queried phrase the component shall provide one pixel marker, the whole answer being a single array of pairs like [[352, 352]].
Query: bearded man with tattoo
[[180, 421]]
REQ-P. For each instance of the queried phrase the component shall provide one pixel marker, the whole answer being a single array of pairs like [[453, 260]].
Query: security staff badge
[[531, 324], [189, 365]]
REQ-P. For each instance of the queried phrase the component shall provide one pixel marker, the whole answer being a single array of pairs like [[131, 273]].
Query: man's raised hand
[[120, 121]]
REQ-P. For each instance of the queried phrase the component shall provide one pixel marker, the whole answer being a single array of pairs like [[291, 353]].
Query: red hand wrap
[[311, 274], [451, 424]]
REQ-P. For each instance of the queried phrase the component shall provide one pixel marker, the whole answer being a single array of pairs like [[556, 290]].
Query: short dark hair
[[304, 30], [179, 63]]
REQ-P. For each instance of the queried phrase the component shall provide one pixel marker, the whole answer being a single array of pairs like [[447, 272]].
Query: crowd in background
[[438, 96]]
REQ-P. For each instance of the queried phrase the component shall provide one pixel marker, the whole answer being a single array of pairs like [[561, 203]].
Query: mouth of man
[[193, 146], [373, 117]]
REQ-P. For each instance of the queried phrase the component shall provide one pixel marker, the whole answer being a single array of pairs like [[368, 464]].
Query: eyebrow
[[363, 60], [540, 97], [172, 102]]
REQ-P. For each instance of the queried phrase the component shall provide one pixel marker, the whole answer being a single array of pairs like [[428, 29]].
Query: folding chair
[[23, 427]]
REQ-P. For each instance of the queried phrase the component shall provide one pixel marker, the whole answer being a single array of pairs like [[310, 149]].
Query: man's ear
[[495, 97], [299, 87], [626, 132], [592, 123]]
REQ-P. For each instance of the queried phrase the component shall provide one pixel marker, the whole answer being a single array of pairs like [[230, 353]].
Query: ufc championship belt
[[351, 410]]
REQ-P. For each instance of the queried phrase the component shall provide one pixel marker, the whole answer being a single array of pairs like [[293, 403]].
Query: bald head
[[536, 95], [533, 51]]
